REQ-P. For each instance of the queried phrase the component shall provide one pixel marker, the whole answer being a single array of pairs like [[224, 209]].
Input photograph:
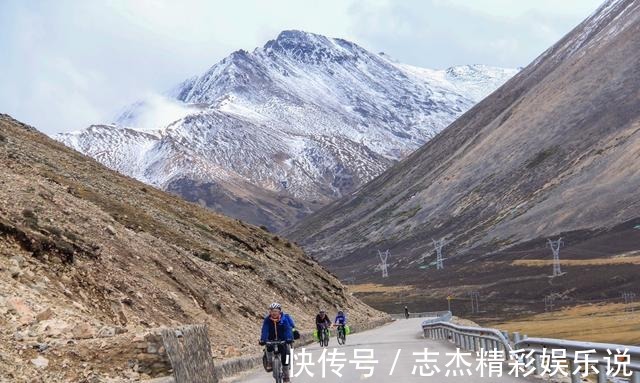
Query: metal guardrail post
[[575, 378], [537, 363], [516, 337], [602, 373]]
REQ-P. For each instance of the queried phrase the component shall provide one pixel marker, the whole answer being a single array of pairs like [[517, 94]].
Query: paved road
[[385, 343]]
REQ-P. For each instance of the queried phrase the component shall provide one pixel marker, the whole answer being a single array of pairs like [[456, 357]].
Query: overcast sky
[[67, 64]]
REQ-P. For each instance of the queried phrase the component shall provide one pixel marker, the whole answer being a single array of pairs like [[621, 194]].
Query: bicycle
[[323, 336], [341, 334], [276, 361]]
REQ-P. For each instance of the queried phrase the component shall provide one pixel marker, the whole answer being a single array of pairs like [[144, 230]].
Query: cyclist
[[322, 321], [406, 312], [340, 322], [276, 328]]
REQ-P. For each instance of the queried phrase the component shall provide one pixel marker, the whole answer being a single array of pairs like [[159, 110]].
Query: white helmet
[[275, 305]]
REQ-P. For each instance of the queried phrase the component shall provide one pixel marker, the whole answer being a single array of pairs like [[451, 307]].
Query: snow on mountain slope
[[304, 119]]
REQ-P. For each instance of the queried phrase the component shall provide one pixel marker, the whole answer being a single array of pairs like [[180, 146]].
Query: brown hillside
[[85, 252], [553, 152]]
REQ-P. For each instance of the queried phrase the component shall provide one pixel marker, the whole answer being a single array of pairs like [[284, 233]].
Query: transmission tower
[[439, 245], [555, 248], [629, 298], [475, 302], [383, 263], [549, 302]]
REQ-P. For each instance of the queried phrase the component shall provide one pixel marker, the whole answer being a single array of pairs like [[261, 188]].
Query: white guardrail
[[534, 349], [600, 353], [439, 315]]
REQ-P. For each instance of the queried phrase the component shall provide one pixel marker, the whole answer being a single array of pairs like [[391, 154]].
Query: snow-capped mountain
[[271, 135]]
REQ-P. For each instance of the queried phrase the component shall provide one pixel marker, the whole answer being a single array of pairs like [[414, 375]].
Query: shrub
[[204, 255], [30, 218], [54, 230], [70, 235], [541, 156]]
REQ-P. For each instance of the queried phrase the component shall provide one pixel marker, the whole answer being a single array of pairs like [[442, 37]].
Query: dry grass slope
[[594, 323]]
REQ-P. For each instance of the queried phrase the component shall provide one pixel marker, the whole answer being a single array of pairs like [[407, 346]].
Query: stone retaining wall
[[230, 367]]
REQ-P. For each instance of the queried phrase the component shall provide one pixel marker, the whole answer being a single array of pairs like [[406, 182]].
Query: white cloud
[[156, 111], [439, 33]]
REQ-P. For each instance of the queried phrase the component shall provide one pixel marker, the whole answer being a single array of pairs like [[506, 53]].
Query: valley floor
[[607, 323]]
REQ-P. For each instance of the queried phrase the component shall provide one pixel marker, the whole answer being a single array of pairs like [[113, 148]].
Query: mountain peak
[[308, 47], [295, 34], [287, 118]]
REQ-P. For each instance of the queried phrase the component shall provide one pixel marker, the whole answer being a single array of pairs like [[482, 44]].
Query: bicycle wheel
[[277, 368], [341, 336], [326, 338]]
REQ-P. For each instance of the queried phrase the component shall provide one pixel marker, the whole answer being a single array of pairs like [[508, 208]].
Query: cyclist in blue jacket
[[341, 322], [341, 319], [276, 327]]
